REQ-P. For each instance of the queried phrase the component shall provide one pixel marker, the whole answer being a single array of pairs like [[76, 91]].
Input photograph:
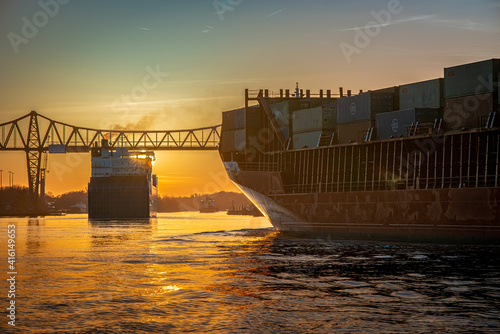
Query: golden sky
[[86, 62]]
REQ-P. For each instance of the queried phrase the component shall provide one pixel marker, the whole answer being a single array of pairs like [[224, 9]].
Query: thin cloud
[[143, 28], [408, 19], [207, 29], [461, 24], [276, 12]]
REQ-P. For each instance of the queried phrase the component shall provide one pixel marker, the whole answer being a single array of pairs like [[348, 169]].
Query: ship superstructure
[[122, 184], [419, 161]]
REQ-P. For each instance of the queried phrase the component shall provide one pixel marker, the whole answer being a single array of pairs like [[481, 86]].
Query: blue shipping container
[[395, 124], [363, 107]]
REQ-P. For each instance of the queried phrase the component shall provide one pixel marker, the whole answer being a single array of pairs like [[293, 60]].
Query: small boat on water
[[207, 205]]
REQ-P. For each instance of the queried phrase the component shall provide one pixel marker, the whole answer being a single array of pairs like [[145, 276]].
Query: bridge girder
[[33, 133]]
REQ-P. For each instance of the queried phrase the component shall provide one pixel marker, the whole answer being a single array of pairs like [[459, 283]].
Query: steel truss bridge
[[35, 134]]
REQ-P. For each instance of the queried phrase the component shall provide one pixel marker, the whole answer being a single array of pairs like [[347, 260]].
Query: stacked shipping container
[[233, 136], [363, 107], [467, 94], [353, 132], [254, 131], [396, 123], [309, 124], [471, 93], [423, 94], [356, 114], [306, 139]]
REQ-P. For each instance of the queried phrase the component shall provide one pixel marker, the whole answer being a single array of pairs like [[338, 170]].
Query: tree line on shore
[[16, 200]]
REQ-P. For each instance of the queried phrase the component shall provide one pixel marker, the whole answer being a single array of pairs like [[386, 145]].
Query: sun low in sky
[[178, 64]]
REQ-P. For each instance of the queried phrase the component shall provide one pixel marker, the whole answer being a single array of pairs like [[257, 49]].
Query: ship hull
[[462, 215], [122, 197], [414, 162]]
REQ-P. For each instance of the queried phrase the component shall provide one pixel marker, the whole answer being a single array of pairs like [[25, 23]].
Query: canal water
[[211, 273]]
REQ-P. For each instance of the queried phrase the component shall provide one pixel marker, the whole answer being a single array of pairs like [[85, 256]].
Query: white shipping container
[[307, 120], [306, 139]]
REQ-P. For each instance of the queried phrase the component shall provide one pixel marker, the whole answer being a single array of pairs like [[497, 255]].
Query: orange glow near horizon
[[179, 173]]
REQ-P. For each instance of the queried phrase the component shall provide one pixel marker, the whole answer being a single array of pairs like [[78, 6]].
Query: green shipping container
[[471, 79], [423, 94]]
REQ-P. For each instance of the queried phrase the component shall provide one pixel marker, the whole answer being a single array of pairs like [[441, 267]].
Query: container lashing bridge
[[36, 135]]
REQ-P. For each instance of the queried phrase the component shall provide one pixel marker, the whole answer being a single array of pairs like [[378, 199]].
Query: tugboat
[[207, 205]]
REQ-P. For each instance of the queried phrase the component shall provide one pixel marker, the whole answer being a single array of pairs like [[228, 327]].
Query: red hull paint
[[471, 214]]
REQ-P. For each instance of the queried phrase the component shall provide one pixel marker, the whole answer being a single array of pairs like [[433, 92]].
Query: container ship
[[418, 161], [122, 185]]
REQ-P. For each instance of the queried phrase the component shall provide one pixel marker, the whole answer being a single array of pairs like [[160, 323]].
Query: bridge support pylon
[[33, 150]]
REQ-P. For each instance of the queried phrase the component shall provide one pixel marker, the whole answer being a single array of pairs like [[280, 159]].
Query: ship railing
[[369, 134], [256, 93], [259, 166], [417, 129], [490, 121], [289, 93], [342, 187], [438, 122], [438, 130], [396, 184]]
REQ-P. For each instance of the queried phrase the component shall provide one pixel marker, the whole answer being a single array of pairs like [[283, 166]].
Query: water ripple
[[198, 275]]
